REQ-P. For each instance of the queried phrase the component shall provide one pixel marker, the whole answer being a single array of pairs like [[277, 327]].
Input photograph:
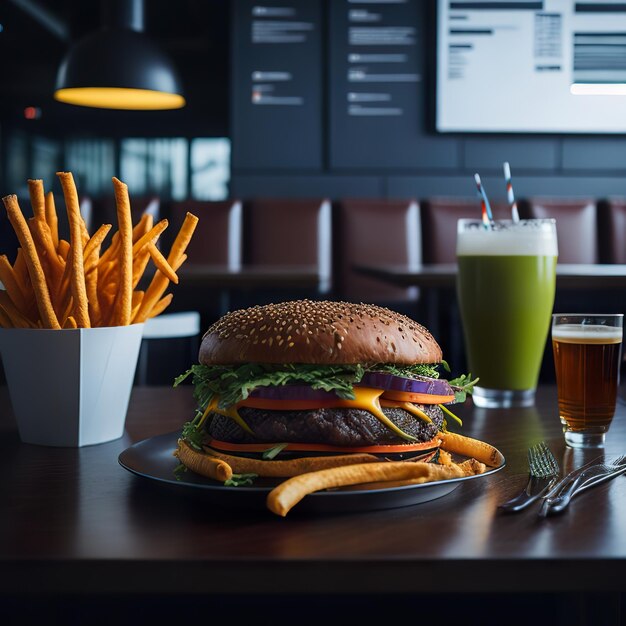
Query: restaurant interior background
[[283, 106]]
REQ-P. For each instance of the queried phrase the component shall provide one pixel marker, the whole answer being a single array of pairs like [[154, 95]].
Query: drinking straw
[[509, 192], [486, 207]]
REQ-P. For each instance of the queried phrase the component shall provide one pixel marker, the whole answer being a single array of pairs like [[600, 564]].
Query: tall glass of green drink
[[505, 286]]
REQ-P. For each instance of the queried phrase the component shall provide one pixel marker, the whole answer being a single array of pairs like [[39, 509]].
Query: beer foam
[[586, 333], [526, 238]]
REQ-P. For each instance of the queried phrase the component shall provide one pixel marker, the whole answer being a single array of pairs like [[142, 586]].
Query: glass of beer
[[587, 356], [505, 284]]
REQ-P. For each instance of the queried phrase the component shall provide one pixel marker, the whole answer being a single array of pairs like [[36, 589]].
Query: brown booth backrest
[[612, 230], [439, 224], [293, 232], [371, 232], [218, 236], [576, 226]]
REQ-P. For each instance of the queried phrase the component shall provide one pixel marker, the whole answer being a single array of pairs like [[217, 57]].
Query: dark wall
[[317, 149]]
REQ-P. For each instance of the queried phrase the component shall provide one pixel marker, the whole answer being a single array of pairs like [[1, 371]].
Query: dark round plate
[[152, 459]]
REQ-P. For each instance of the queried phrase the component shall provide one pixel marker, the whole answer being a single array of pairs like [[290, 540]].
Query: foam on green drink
[[506, 285]]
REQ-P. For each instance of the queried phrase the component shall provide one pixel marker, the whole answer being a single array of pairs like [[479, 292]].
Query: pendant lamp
[[118, 67]]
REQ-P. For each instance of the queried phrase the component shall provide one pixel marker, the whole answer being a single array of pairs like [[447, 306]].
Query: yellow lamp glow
[[120, 98]]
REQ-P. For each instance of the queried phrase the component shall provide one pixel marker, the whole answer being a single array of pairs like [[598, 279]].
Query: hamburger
[[323, 383]]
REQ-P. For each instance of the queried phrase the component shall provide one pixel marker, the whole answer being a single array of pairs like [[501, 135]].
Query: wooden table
[[74, 523], [443, 276], [264, 277]]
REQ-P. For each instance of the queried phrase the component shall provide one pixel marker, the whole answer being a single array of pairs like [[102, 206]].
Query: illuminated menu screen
[[509, 66]]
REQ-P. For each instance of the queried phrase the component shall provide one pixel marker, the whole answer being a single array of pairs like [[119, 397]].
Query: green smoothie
[[506, 303]]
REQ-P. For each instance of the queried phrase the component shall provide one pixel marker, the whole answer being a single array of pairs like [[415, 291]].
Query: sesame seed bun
[[324, 333]]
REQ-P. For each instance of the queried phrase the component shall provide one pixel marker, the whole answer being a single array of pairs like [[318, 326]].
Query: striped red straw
[[486, 207], [509, 192]]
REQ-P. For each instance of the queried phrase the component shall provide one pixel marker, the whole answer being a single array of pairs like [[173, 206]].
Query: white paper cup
[[70, 387]]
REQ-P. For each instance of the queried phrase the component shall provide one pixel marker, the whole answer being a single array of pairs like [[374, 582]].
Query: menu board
[[517, 66], [277, 85], [377, 97]]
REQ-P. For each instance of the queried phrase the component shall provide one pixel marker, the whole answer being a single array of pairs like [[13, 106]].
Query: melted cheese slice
[[366, 399]]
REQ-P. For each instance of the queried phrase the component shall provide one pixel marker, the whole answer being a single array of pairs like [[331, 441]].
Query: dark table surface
[[257, 277], [72, 520], [568, 276]]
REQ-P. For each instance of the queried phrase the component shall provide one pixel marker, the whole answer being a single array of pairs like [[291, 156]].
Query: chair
[[290, 232], [217, 239], [439, 224], [576, 226], [376, 231], [612, 230]]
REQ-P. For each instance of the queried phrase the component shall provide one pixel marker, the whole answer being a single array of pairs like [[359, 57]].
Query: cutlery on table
[[543, 472], [589, 477]]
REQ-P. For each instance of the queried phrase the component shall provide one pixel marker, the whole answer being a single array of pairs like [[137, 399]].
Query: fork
[[591, 476], [543, 472]]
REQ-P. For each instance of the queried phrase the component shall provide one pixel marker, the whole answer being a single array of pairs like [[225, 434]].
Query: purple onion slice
[[380, 380], [292, 392]]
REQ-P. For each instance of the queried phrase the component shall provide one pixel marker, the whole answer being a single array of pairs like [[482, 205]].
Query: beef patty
[[337, 427]]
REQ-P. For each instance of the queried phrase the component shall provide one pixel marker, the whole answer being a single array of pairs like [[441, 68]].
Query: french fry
[[287, 468], [51, 219], [284, 497], [59, 284], [5, 320], [106, 306], [123, 301], [20, 268], [481, 451], [160, 281], [9, 279], [94, 243], [471, 467], [17, 319], [145, 223], [445, 458], [35, 271], [178, 263], [91, 285], [75, 258], [139, 267], [47, 252], [70, 322], [151, 236], [137, 298], [161, 305], [161, 263], [202, 464], [37, 199], [63, 249], [111, 252]]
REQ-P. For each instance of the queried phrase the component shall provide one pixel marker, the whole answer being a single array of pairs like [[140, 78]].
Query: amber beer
[[587, 359]]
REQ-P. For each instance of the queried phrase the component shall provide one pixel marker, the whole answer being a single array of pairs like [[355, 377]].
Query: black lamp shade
[[120, 69]]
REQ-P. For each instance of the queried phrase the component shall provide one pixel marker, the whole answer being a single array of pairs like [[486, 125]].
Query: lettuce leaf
[[233, 383]]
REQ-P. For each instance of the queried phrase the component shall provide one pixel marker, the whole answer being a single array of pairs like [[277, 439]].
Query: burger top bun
[[324, 333]]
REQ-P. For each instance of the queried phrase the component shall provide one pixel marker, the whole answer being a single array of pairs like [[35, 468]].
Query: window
[[92, 162], [210, 168], [155, 166]]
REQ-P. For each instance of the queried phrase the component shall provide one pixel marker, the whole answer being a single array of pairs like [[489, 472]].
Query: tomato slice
[[319, 447], [417, 398]]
